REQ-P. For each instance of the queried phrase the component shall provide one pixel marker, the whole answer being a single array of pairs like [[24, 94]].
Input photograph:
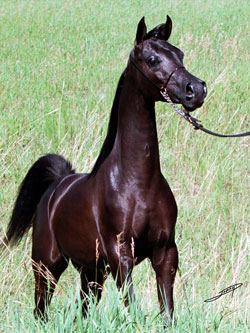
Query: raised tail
[[40, 176]]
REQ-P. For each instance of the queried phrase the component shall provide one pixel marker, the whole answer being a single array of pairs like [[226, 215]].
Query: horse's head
[[162, 64]]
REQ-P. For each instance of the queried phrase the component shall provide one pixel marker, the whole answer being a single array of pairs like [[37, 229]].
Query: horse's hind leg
[[92, 281], [46, 278], [48, 265]]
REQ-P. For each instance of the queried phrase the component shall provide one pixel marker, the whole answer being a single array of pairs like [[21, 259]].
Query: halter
[[183, 113], [161, 89]]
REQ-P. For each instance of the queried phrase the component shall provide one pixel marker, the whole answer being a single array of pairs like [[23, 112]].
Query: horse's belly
[[78, 240]]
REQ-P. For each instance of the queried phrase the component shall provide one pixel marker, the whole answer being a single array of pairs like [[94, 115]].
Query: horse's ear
[[168, 28], [141, 31]]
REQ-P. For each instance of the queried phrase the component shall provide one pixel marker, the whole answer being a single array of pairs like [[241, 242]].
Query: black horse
[[124, 210]]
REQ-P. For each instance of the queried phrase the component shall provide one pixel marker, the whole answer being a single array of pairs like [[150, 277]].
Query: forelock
[[155, 33]]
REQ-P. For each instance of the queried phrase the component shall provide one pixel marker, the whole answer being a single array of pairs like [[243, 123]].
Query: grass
[[59, 66]]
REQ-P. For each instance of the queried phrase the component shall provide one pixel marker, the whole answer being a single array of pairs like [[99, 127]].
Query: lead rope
[[183, 113], [174, 106], [195, 122]]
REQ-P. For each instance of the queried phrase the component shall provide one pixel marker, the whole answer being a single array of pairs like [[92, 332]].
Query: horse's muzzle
[[187, 90]]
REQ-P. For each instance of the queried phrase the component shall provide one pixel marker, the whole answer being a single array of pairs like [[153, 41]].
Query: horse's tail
[[40, 176]]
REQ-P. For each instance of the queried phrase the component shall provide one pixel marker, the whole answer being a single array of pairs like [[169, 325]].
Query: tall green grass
[[60, 62]]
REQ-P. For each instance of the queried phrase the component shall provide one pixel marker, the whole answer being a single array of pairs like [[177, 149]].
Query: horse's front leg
[[121, 262], [165, 264]]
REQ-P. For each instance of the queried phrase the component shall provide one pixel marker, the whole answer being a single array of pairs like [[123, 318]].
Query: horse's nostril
[[189, 88], [189, 91], [204, 89]]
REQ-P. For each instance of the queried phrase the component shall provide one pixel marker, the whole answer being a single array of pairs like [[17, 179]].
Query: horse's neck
[[136, 146]]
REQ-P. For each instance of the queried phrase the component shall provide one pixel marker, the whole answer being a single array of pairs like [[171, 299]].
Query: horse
[[123, 211]]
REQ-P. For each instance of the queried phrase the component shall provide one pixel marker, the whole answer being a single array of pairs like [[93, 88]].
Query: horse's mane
[[112, 128]]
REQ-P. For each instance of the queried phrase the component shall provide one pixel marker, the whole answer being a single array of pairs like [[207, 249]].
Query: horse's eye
[[152, 61]]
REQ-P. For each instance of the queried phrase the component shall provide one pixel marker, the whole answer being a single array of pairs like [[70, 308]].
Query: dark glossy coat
[[124, 210]]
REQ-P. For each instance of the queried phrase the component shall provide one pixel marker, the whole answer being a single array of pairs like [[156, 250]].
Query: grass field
[[60, 62]]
